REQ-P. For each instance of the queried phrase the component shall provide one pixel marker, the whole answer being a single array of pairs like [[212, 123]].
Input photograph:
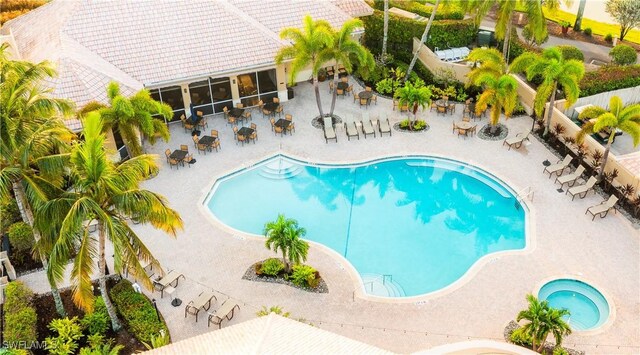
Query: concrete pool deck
[[564, 240]]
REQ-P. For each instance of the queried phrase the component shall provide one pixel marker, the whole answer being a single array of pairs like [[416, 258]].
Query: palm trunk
[[547, 125], [27, 217], [424, 38], [577, 26], [415, 116], [385, 31], [284, 260], [507, 39], [102, 266], [316, 88], [335, 94], [605, 156]]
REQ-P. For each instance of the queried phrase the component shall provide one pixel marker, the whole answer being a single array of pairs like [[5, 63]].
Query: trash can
[[484, 38], [290, 94]]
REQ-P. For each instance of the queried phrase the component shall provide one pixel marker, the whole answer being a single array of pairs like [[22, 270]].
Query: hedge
[[137, 311], [608, 78], [19, 315], [443, 34], [21, 236], [571, 52], [421, 9]]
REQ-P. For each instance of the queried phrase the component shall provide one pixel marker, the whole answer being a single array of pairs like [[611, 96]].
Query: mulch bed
[[251, 275], [319, 123], [486, 134], [548, 347], [46, 310], [397, 127]]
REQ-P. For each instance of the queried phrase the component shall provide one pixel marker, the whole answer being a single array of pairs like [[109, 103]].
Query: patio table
[[342, 85], [236, 112], [365, 95], [207, 140], [271, 106], [282, 123], [245, 131], [178, 155]]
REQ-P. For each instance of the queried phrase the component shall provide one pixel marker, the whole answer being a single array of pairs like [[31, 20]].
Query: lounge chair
[[570, 178], [603, 208], [558, 168], [350, 128], [203, 301], [384, 126], [367, 127], [225, 311], [583, 189], [329, 132], [517, 140], [167, 280]]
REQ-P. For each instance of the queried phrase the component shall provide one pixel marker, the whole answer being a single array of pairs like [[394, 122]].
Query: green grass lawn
[[598, 28]]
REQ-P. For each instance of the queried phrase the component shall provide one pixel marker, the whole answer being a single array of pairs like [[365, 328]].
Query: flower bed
[[270, 271]]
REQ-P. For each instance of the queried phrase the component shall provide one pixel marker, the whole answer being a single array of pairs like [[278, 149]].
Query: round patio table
[[365, 94], [464, 125], [342, 85]]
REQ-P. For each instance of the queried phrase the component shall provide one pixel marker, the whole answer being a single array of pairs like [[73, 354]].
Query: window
[[258, 86], [267, 81], [171, 96], [209, 96]]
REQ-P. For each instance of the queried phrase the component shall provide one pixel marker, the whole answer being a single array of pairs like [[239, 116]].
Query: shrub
[[519, 337], [9, 214], [587, 31], [272, 267], [609, 78], [385, 86], [560, 351], [69, 332], [571, 52], [20, 316], [273, 309], [97, 323], [21, 236], [608, 38], [137, 312], [302, 275], [623, 54]]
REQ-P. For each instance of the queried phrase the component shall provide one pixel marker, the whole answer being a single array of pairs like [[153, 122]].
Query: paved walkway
[[564, 241]]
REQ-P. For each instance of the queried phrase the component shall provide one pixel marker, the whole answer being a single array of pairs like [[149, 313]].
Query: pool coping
[[342, 262], [579, 277]]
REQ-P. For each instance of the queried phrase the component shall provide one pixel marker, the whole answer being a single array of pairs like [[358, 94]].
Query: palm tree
[[542, 321], [501, 93], [284, 234], [423, 40], [619, 117], [347, 52], [385, 32], [108, 193], [577, 26], [555, 71], [133, 115], [33, 140], [306, 49], [414, 97], [489, 61]]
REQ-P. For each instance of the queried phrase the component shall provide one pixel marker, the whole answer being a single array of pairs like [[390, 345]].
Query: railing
[[385, 277], [526, 193]]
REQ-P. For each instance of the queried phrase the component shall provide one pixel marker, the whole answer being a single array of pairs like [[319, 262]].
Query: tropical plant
[[347, 52], [108, 193], [626, 12], [283, 235], [306, 49], [415, 98], [158, 341], [33, 141], [98, 346], [68, 333], [303, 275], [96, 322], [273, 309], [618, 117], [499, 92], [140, 315], [20, 236], [488, 61], [623, 54], [271, 267], [423, 39], [20, 318], [132, 116], [556, 72], [542, 321]]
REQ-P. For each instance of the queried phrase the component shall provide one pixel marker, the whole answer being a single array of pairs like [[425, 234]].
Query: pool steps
[[280, 170], [379, 285]]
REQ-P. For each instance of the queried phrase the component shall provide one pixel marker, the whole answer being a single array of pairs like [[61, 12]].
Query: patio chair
[[239, 105], [189, 160], [167, 153], [188, 125], [235, 132], [367, 127], [344, 79], [453, 127], [466, 119], [203, 301], [330, 71], [462, 132], [227, 311], [279, 110], [167, 280], [395, 104], [583, 189], [570, 179], [329, 131], [441, 110], [201, 147], [276, 100], [517, 140], [247, 116], [225, 110], [240, 138], [351, 129], [173, 162], [404, 108], [364, 102], [374, 99], [339, 92], [356, 97], [182, 119], [558, 168], [350, 88], [291, 127], [254, 134], [433, 106], [275, 128], [384, 126], [603, 208], [184, 147], [452, 108]]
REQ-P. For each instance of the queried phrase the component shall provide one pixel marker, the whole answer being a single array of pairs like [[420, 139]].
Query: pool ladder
[[526, 193]]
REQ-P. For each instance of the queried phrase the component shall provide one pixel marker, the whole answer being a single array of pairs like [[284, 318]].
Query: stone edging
[[251, 275], [396, 126], [503, 134]]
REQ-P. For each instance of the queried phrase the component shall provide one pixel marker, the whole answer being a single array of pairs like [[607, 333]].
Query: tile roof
[[354, 8], [272, 334]]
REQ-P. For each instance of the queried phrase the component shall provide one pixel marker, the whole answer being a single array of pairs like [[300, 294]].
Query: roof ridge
[[252, 21]]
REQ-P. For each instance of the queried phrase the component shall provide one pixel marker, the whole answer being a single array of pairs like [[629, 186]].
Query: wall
[[628, 96], [431, 61]]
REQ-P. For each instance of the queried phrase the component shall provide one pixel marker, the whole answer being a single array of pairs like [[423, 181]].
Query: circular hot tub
[[589, 308]]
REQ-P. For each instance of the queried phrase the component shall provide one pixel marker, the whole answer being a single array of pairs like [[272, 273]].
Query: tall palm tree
[[414, 97], [423, 40], [284, 234], [347, 52], [618, 117], [306, 48], [542, 321], [108, 193], [489, 61], [385, 32], [33, 141], [132, 116], [555, 71], [577, 26], [501, 93]]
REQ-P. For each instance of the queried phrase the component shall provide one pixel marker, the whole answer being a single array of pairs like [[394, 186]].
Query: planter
[[565, 30]]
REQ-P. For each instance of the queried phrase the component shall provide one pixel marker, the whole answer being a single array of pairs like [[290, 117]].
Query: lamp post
[[155, 306]]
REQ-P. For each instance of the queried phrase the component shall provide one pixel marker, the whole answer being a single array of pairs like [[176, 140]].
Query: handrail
[[526, 193], [384, 278]]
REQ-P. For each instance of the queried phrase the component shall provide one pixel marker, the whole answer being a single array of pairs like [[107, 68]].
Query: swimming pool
[[408, 225]]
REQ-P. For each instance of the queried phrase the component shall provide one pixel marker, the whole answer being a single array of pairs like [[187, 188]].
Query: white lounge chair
[[517, 140], [367, 127], [583, 189], [329, 132], [350, 128], [603, 208], [225, 311], [384, 126], [558, 168], [203, 301], [570, 179], [167, 280]]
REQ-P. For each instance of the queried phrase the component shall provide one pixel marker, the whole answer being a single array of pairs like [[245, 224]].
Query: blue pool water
[[424, 221], [589, 309]]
